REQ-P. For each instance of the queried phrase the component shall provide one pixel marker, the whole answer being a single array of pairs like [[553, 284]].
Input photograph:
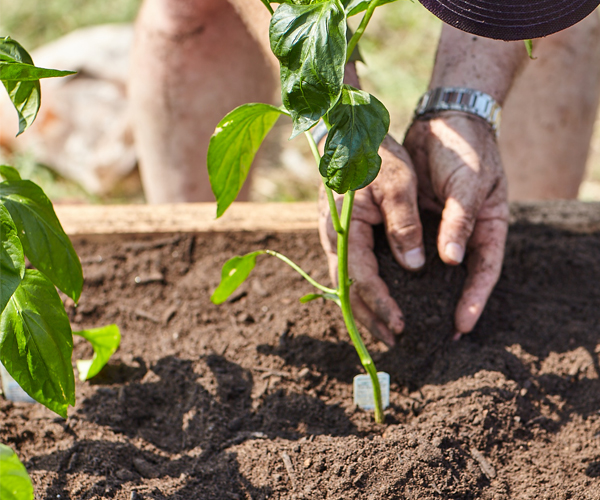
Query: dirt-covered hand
[[390, 199], [460, 174]]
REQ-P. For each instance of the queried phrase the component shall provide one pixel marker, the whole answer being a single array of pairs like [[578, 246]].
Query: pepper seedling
[[36, 340], [309, 38]]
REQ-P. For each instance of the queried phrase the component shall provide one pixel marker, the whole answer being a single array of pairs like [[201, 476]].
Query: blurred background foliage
[[398, 49]]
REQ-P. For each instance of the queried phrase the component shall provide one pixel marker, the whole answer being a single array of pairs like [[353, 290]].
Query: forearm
[[464, 60]]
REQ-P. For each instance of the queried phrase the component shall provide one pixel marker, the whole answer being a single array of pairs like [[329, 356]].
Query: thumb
[[395, 192], [404, 230]]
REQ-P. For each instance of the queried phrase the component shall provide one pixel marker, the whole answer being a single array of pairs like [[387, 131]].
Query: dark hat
[[511, 19]]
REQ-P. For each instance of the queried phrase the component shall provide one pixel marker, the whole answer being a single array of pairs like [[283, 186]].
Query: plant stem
[[301, 271], [268, 6], [335, 218], [361, 28], [344, 295]]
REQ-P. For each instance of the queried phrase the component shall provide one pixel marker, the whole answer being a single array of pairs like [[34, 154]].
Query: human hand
[[392, 199], [460, 174]]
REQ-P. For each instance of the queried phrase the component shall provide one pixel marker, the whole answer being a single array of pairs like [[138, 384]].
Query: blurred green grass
[[35, 22], [398, 49]]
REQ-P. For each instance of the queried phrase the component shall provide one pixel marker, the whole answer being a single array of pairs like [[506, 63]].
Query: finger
[[456, 227], [369, 320], [367, 284], [396, 195], [484, 267]]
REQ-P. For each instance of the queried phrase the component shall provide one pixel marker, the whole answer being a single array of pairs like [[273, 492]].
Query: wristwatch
[[460, 99]]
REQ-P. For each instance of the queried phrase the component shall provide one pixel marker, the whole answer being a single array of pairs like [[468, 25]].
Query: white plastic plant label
[[12, 390], [363, 391]]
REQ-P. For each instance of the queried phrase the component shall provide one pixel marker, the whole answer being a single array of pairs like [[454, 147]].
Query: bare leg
[[549, 115], [193, 62]]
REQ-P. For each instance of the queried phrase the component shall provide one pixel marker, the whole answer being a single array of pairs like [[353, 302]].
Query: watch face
[[511, 19]]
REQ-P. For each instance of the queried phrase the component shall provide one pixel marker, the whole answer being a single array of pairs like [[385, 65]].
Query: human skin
[[184, 53], [458, 166], [546, 128]]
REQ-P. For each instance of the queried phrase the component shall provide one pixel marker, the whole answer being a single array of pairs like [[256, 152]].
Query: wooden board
[[84, 220], [79, 220]]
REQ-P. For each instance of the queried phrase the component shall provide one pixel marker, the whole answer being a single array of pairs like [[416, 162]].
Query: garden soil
[[253, 399]]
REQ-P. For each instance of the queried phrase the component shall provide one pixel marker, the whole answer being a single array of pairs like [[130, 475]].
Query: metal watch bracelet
[[460, 99]]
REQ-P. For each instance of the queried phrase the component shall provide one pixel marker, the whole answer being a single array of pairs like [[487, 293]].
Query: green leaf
[[311, 296], [23, 72], [105, 341], [234, 273], [267, 4], [36, 343], [9, 173], [15, 483], [26, 97], [25, 94], [529, 48], [351, 159], [310, 43], [12, 259], [13, 51], [233, 146], [44, 240], [354, 7]]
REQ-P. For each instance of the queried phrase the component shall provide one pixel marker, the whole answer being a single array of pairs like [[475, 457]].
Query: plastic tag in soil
[[363, 391]]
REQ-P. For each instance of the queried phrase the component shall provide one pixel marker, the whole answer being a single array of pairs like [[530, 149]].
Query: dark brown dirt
[[253, 399]]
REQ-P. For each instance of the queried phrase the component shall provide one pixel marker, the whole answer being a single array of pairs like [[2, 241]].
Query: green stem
[[301, 271], [335, 218], [344, 295], [361, 28], [268, 6]]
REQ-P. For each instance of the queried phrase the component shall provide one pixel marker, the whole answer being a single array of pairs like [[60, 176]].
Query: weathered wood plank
[[83, 220]]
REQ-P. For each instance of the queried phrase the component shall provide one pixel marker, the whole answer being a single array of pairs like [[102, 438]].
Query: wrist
[[464, 60], [464, 101]]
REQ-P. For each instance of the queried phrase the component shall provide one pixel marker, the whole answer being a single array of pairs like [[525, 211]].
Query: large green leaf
[[234, 273], [354, 7], [310, 43], [15, 483], [9, 173], [36, 343], [26, 72], [44, 240], [105, 341], [25, 92], [351, 159], [233, 146], [12, 259]]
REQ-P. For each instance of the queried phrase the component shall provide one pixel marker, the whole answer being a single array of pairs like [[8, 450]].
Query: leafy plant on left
[[15, 483], [36, 340]]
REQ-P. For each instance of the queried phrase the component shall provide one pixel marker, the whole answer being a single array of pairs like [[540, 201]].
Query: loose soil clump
[[253, 399]]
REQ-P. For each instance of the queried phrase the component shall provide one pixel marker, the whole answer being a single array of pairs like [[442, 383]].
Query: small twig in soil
[[168, 314], [486, 467], [272, 373], [149, 278], [143, 314], [287, 462]]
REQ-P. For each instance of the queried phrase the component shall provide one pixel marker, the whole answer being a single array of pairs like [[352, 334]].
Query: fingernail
[[454, 252], [457, 337], [414, 258]]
